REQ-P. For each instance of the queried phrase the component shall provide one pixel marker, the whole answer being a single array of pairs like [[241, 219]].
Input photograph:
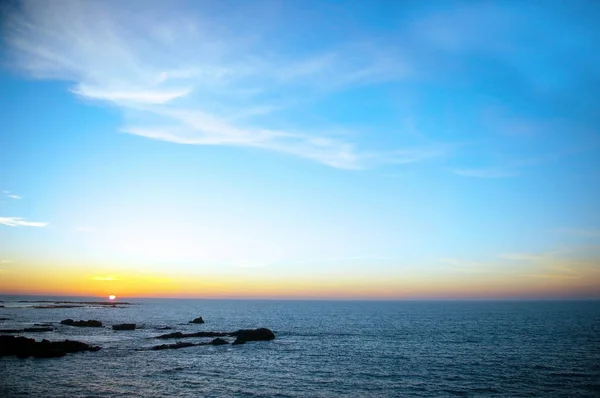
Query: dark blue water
[[322, 349]]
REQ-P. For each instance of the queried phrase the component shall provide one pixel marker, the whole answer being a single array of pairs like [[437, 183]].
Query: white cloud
[[8, 194], [190, 82], [20, 222], [134, 96]]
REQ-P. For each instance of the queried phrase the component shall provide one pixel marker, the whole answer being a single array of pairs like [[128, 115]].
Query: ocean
[[322, 349]]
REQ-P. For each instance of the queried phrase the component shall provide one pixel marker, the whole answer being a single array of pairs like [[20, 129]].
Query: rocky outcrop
[[124, 326], [244, 335], [197, 320], [90, 323], [179, 335], [181, 344], [23, 347], [38, 329], [219, 341], [173, 346], [28, 330]]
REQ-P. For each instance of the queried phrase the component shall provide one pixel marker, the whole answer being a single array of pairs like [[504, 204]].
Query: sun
[[112, 297]]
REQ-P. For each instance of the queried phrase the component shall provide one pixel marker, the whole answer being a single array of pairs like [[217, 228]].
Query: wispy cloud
[[184, 79], [566, 263], [20, 222], [10, 195]]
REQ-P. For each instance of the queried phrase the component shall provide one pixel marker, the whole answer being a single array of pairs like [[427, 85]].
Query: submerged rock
[[219, 341], [38, 329], [197, 320], [90, 323], [124, 326], [164, 328], [23, 347], [173, 346], [179, 335]]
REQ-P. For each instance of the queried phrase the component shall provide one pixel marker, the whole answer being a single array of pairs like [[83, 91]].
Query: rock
[[219, 341], [173, 346], [164, 328], [242, 335], [38, 329], [57, 306], [179, 335], [42, 324], [124, 326], [91, 323], [23, 347], [29, 330], [175, 335], [261, 334], [197, 320]]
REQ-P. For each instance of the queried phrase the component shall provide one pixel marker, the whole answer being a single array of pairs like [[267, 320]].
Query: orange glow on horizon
[[72, 282]]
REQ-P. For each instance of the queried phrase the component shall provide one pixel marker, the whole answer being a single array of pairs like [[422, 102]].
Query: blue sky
[[411, 142]]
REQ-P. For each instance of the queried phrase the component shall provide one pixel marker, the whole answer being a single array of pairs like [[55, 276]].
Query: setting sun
[[112, 297]]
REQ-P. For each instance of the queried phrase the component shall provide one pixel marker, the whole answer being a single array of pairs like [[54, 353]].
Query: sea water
[[322, 349]]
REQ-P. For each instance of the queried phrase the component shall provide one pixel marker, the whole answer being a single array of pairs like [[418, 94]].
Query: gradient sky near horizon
[[300, 149]]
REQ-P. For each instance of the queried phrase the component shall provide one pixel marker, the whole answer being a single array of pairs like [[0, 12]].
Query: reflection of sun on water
[[112, 297]]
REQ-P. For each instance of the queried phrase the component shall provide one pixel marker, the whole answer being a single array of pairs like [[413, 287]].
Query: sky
[[300, 149]]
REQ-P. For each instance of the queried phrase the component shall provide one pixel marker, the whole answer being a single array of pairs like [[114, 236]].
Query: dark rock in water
[[164, 328], [23, 347], [57, 306], [175, 335], [197, 320], [4, 319], [242, 335], [261, 334], [179, 335], [38, 329], [30, 330], [42, 324], [91, 323], [124, 326], [173, 346], [219, 341]]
